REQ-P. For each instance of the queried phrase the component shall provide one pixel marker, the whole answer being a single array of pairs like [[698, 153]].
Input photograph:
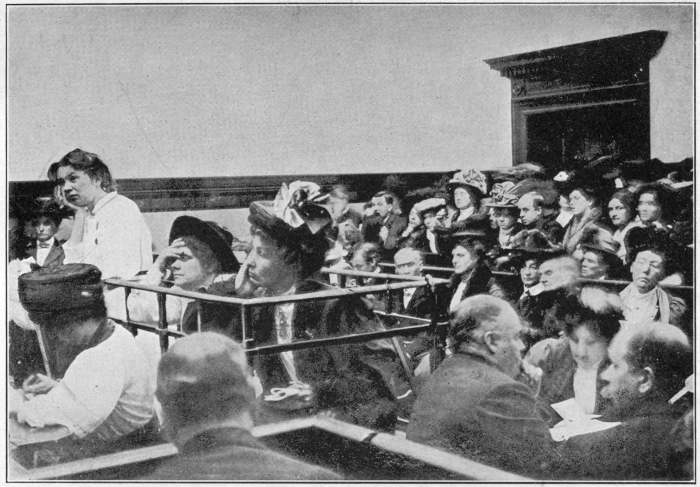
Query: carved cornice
[[604, 61]]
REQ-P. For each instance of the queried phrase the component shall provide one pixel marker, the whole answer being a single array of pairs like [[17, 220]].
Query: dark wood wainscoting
[[178, 194]]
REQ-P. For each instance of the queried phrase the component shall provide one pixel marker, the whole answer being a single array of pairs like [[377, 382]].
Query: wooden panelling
[[178, 194]]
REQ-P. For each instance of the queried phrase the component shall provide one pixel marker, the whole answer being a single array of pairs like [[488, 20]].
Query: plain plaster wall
[[231, 90]]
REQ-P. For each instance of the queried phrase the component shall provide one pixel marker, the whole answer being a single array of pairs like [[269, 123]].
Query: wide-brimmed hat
[[600, 240], [63, 288], [296, 219], [215, 237], [429, 204], [46, 206], [639, 239], [503, 196], [534, 244], [653, 169], [589, 181], [471, 178]]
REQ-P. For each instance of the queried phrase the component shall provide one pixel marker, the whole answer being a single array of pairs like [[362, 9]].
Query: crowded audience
[[556, 313]]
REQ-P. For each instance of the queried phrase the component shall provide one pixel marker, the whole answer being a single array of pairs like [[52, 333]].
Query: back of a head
[[536, 198], [661, 347], [59, 296], [203, 378], [566, 272], [408, 254], [478, 314]]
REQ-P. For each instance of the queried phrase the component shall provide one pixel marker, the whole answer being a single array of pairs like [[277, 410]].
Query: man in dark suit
[[385, 224], [649, 363], [472, 405], [419, 302], [206, 392]]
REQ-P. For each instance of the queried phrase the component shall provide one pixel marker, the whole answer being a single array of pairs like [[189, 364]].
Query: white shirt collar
[[103, 201], [534, 290]]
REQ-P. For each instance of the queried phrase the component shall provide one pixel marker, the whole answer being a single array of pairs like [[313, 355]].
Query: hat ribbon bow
[[300, 204], [501, 193]]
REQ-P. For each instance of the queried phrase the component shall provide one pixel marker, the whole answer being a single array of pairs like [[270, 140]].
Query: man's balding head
[[648, 360], [408, 262], [491, 327], [530, 206], [203, 379]]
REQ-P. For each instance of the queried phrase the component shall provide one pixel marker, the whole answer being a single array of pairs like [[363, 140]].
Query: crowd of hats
[[298, 215]]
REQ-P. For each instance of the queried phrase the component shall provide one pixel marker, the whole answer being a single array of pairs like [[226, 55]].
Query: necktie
[[525, 300]]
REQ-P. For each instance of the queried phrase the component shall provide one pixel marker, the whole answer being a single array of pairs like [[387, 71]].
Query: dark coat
[[558, 367], [55, 257], [471, 408], [550, 227], [479, 221], [360, 381], [480, 282], [234, 454], [420, 305], [637, 449], [395, 225], [418, 240]]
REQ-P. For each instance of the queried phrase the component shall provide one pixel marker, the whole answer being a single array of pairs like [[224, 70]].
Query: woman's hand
[[38, 384], [169, 255], [60, 197], [242, 284]]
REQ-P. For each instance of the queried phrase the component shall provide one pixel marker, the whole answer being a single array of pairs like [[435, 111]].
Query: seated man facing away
[[649, 364], [472, 405], [104, 392], [207, 394]]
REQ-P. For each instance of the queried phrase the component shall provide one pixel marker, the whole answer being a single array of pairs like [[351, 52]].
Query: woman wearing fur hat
[[466, 189], [359, 382], [504, 205], [653, 255]]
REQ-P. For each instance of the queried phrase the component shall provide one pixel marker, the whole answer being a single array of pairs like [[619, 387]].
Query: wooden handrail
[[583, 280], [423, 453]]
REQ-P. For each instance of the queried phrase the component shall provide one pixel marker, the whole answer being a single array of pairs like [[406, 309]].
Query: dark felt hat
[[589, 181], [534, 244], [62, 288], [216, 238], [601, 241], [639, 239], [312, 247], [47, 207]]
